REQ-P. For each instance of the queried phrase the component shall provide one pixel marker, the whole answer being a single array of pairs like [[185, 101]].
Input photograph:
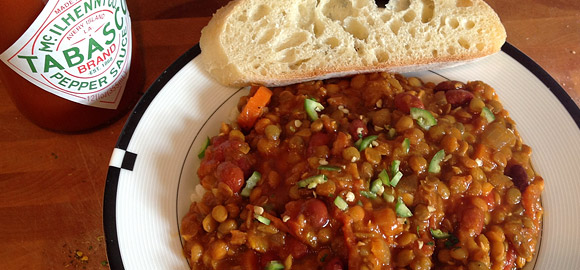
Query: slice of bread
[[279, 42]]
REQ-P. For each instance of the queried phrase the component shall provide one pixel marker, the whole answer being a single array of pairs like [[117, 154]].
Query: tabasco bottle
[[69, 65]]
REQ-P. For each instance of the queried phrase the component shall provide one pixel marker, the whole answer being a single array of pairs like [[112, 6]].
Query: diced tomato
[[206, 167], [340, 144], [249, 260], [386, 219], [230, 174], [405, 101], [267, 257], [296, 248], [472, 220], [510, 258], [318, 139]]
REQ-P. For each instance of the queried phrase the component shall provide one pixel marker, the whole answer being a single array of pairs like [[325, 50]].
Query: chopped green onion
[[402, 210], [274, 265], [313, 181], [203, 148], [395, 166], [438, 234], [366, 142], [359, 203], [435, 164], [340, 203], [368, 194], [330, 168], [487, 114], [358, 142], [251, 183], [424, 118], [430, 243], [262, 219], [388, 197], [396, 178], [384, 177], [312, 108], [377, 187], [406, 145]]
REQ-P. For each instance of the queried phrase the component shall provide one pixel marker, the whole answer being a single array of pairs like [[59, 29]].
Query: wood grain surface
[[51, 184]]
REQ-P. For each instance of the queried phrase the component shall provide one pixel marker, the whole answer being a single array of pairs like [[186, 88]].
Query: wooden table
[[51, 185]]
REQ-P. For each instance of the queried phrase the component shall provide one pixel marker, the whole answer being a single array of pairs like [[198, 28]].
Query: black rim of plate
[[110, 195]]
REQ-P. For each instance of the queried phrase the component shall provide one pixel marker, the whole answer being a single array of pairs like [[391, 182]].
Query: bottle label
[[79, 50]]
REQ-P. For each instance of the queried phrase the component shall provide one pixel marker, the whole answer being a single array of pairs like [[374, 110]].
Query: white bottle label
[[79, 50]]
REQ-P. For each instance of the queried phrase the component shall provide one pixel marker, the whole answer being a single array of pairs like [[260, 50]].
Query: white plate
[[152, 169]]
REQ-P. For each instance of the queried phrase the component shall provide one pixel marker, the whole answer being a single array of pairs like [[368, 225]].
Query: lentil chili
[[440, 179]]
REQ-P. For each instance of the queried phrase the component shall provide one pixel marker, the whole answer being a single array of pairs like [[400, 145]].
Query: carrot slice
[[483, 153], [254, 108]]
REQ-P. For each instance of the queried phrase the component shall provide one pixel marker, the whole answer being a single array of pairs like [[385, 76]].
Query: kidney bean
[[458, 97], [449, 85], [357, 127], [405, 101], [315, 212], [231, 175], [518, 175], [334, 264]]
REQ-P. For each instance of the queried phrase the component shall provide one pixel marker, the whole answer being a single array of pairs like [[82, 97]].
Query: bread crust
[[223, 64]]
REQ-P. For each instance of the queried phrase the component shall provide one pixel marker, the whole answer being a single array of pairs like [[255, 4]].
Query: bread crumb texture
[[275, 42]]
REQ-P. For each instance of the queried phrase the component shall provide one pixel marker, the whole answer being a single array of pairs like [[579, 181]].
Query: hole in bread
[[357, 29], [453, 22], [260, 12], [451, 50], [332, 42], [297, 64], [360, 51], [289, 56], [428, 37], [395, 26], [337, 10], [306, 17], [427, 11], [469, 24], [293, 41], [464, 3], [381, 56], [386, 17], [435, 53], [398, 5], [412, 32], [464, 43], [480, 46], [242, 17], [266, 36], [409, 16], [319, 28]]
